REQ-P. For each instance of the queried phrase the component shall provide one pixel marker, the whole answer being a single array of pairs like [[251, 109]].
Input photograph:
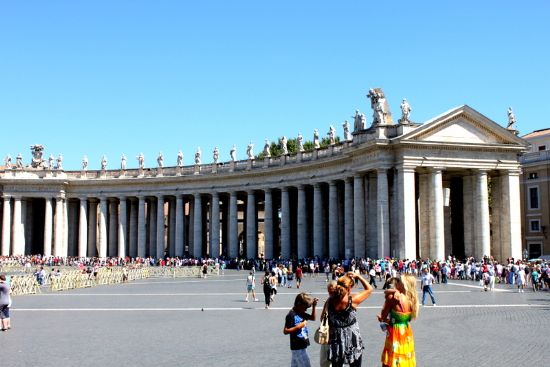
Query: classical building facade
[[405, 190], [535, 190]]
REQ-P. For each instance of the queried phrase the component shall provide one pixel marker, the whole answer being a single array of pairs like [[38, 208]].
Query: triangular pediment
[[463, 125]]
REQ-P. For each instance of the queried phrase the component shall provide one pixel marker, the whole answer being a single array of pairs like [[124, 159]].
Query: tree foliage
[[276, 148]]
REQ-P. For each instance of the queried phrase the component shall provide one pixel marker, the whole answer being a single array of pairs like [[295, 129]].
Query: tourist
[[372, 277], [346, 345], [427, 280], [323, 354], [400, 307], [266, 282], [299, 275], [521, 278], [250, 286], [273, 281], [5, 303], [296, 327]]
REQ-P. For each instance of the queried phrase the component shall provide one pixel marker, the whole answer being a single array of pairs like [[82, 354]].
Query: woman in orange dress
[[400, 308]]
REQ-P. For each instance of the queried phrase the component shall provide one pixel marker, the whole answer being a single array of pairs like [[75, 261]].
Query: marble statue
[[380, 107], [141, 161], [60, 162], [198, 156], [233, 153], [250, 151], [511, 119], [405, 112], [50, 161], [332, 135], [7, 161], [179, 161], [267, 149], [359, 121], [316, 142], [19, 161], [160, 160], [85, 163], [284, 147], [300, 139], [347, 133], [37, 150], [103, 163], [123, 162], [216, 155]]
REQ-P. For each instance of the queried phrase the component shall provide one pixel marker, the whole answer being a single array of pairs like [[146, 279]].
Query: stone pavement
[[205, 322]]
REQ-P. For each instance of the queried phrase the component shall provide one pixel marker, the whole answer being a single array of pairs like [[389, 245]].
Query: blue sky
[[112, 77]]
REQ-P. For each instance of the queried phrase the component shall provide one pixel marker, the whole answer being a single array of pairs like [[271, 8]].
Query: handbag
[[322, 332]]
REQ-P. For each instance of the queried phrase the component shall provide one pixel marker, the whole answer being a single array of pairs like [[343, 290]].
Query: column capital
[[349, 180], [6, 197], [481, 171], [332, 183], [407, 169], [510, 172], [435, 169], [383, 169], [284, 189], [301, 187], [267, 190], [317, 185]]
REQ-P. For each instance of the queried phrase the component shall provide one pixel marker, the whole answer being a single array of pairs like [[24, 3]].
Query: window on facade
[[533, 198], [542, 147], [533, 175], [535, 225], [535, 250]]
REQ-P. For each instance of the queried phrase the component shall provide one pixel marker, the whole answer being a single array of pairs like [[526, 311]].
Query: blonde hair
[[409, 283]]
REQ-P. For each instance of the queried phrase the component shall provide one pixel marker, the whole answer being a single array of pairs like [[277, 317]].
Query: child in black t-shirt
[[296, 327]]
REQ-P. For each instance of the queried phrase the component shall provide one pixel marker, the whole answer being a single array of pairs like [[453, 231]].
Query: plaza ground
[[206, 322]]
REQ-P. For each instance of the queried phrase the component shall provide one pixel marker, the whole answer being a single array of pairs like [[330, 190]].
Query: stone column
[[18, 235], [233, 226], [424, 216], [468, 218], [498, 214], [358, 216], [58, 240], [48, 225], [180, 229], [333, 220], [82, 226], [159, 253], [92, 227], [6, 226], [133, 229], [102, 227], [113, 224], [151, 218], [171, 227], [197, 226], [382, 213], [268, 224], [122, 227], [318, 235], [285, 224], [482, 233], [66, 227], [406, 213], [215, 226], [251, 229], [511, 216], [437, 229], [141, 229], [348, 219], [302, 223]]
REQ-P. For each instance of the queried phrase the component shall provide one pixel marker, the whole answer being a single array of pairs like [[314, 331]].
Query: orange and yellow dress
[[399, 347]]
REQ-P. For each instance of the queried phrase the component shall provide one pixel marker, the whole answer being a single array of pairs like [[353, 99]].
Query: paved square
[[206, 322]]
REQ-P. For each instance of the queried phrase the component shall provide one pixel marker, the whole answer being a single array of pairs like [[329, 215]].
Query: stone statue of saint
[[50, 161], [179, 162], [216, 155], [233, 153], [511, 119], [7, 161], [85, 163], [284, 147], [380, 107], [160, 160], [37, 160], [198, 156], [347, 133], [316, 142], [405, 112], [250, 151], [123, 162], [19, 161], [300, 139], [359, 121], [103, 163], [60, 162], [267, 149], [332, 135], [141, 161]]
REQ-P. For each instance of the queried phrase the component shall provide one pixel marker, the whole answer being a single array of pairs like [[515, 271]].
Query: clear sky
[[110, 77]]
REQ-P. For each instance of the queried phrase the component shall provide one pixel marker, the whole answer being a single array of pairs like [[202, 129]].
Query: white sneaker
[[435, 305]]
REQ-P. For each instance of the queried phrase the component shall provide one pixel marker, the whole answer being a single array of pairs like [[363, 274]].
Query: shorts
[[250, 288], [4, 312]]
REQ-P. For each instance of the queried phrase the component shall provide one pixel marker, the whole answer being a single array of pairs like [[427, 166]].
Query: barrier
[[24, 284]]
